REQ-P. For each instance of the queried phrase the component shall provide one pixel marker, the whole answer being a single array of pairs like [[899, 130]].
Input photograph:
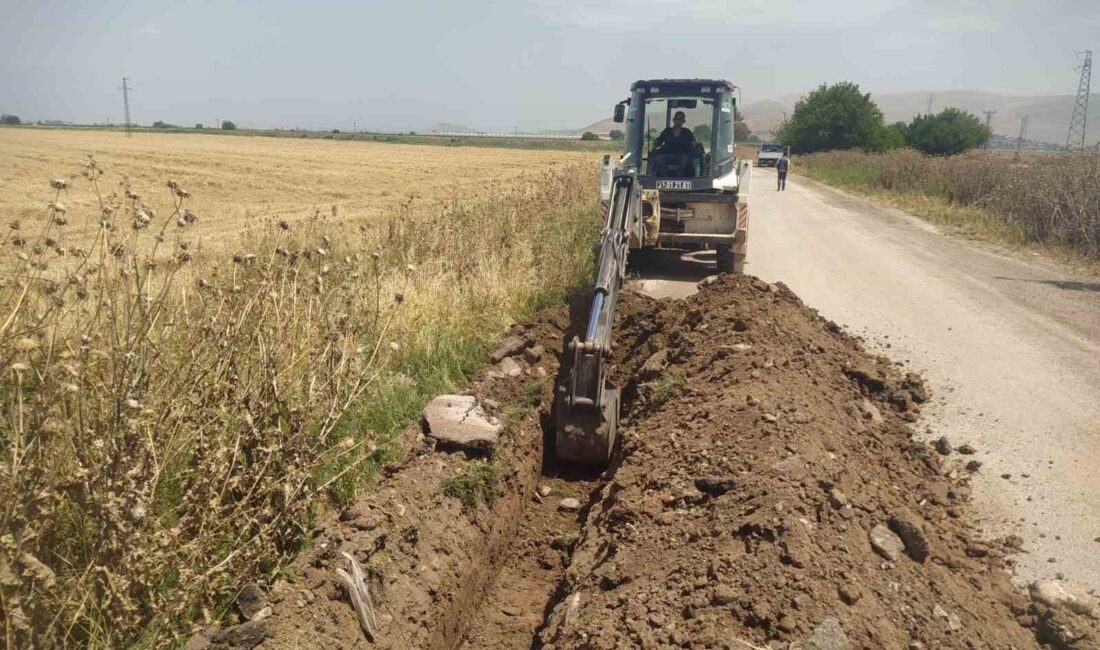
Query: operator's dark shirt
[[668, 142], [782, 164]]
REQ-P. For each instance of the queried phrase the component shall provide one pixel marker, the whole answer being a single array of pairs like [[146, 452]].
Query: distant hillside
[[601, 128], [1048, 122]]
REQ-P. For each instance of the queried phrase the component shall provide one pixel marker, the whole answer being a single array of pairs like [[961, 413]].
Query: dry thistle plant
[[174, 422]]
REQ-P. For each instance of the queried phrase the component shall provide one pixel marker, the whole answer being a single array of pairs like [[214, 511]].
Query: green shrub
[[616, 134], [947, 133], [588, 135], [228, 126]]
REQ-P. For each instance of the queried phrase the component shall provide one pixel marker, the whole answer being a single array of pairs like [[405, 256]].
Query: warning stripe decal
[[742, 216]]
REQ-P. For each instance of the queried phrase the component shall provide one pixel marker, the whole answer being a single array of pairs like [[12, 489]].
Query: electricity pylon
[[1075, 139]]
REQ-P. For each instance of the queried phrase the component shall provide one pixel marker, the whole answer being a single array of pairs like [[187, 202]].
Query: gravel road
[[1009, 343]]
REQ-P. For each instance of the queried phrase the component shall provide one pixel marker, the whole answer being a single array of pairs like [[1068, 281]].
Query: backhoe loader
[[652, 198]]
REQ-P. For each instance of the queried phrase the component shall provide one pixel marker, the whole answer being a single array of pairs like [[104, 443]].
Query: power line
[[1075, 139], [126, 104], [1023, 132], [988, 122]]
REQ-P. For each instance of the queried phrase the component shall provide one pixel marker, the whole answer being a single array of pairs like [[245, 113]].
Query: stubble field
[[237, 181]]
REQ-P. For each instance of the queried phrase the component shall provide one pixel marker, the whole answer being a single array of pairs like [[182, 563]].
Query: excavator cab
[[708, 108], [677, 185], [693, 198]]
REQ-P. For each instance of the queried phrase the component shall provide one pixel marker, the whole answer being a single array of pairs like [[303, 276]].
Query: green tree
[[949, 132], [588, 135], [228, 126], [702, 133], [163, 125], [741, 130], [198, 125], [616, 134], [839, 116], [10, 119]]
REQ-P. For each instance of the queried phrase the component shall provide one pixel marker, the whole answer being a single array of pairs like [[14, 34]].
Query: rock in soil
[[569, 504], [715, 486], [828, 636], [508, 346], [1053, 593], [916, 544], [534, 354], [654, 366], [458, 421], [886, 543], [251, 601], [510, 368]]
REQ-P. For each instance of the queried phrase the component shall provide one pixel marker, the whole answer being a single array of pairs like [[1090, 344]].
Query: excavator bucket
[[586, 435]]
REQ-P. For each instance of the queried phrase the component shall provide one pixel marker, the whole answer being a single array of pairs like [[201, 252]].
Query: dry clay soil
[[760, 446]]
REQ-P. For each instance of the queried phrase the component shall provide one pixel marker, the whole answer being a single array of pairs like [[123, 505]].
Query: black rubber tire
[[725, 260]]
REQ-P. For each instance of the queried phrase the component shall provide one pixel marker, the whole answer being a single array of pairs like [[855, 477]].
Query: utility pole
[[1075, 139], [126, 104], [1023, 132], [988, 122], [930, 98]]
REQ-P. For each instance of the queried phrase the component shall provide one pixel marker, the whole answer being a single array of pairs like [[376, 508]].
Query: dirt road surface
[[1010, 347]]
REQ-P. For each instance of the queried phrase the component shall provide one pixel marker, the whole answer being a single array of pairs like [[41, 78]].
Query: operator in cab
[[673, 149]]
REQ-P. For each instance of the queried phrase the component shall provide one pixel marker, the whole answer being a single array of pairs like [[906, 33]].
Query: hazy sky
[[536, 64]]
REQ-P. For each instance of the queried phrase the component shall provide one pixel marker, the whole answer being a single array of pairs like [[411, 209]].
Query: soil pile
[[768, 494]]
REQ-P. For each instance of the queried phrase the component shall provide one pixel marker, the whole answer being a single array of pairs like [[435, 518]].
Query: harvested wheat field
[[237, 181]]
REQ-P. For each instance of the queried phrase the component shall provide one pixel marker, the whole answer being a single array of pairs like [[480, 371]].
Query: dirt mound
[[769, 495]]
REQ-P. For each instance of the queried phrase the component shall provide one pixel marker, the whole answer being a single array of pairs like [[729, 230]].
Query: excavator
[[655, 196]]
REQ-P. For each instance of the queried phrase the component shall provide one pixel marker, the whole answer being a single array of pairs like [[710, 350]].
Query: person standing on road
[[781, 167]]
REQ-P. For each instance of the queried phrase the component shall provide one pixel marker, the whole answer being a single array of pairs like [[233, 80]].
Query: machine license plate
[[674, 185]]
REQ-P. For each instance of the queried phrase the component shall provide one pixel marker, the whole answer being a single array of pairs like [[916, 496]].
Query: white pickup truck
[[770, 153]]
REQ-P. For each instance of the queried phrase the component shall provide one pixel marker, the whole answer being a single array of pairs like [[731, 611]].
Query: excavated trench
[[767, 493]]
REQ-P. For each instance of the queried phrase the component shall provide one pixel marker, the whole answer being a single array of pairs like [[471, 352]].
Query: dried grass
[[174, 420], [1049, 199]]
